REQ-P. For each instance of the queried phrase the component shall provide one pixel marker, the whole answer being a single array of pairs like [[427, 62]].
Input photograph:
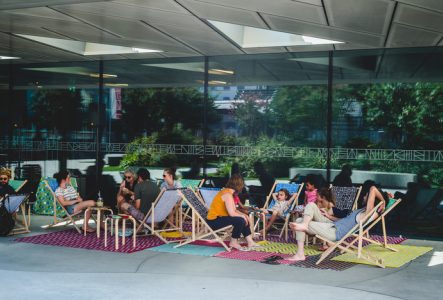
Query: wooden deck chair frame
[[358, 231], [285, 223], [354, 205], [365, 235], [68, 218], [151, 213], [21, 184], [24, 226], [200, 228]]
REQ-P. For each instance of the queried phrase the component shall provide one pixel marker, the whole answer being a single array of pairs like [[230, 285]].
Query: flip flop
[[255, 247], [243, 249]]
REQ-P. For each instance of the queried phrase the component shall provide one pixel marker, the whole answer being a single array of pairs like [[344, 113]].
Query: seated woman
[[314, 222], [282, 202], [127, 187], [223, 213], [170, 180], [69, 198], [5, 188]]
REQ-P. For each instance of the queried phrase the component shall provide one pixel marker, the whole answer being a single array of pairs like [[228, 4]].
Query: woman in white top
[[169, 180], [70, 199]]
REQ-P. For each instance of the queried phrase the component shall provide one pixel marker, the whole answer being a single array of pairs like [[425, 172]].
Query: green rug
[[391, 259], [285, 248]]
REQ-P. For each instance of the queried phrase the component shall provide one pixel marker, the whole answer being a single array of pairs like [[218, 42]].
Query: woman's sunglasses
[[4, 178]]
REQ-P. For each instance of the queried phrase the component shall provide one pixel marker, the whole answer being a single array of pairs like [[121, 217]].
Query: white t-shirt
[[68, 193]]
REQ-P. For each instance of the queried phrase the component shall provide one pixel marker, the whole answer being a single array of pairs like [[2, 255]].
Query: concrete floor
[[29, 271]]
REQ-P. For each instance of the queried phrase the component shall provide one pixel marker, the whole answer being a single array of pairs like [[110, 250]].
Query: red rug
[[71, 238]]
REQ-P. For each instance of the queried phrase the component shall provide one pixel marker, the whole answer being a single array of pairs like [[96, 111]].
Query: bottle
[[99, 200], [247, 202]]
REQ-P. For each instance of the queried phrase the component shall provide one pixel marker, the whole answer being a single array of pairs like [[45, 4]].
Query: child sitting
[[310, 194], [282, 201]]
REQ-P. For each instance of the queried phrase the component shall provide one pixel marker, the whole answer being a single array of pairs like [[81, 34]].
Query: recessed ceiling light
[[86, 48], [9, 57], [251, 37], [215, 68]]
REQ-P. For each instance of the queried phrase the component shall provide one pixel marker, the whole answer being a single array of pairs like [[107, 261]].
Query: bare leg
[[271, 220], [303, 226], [300, 255], [374, 194], [234, 243], [82, 206], [251, 242]]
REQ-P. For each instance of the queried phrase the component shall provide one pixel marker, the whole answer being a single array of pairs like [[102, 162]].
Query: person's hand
[[390, 195]]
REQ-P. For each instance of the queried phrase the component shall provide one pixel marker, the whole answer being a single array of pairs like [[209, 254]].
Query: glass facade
[[380, 111]]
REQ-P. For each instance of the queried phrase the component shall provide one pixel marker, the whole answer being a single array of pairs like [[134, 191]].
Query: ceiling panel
[[419, 17], [14, 4], [406, 36], [224, 13], [360, 15], [42, 12], [286, 8], [429, 4], [298, 27], [167, 5]]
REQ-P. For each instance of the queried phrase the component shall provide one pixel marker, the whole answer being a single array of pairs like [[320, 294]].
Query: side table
[[99, 211]]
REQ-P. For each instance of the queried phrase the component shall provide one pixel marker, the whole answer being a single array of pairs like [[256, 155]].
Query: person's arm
[[65, 202], [137, 204], [292, 198], [328, 214], [230, 207]]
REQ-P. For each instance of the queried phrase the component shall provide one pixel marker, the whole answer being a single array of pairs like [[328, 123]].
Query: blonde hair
[[6, 172]]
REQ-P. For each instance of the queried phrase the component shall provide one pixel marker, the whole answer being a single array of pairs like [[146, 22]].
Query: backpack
[[7, 223]]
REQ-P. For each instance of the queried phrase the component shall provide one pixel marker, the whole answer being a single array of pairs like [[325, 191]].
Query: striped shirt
[[68, 193]]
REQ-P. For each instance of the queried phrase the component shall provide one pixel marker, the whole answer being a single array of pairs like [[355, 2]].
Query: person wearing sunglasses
[[5, 188], [127, 187], [170, 180]]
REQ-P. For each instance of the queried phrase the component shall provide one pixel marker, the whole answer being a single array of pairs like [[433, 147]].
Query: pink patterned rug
[[71, 238]]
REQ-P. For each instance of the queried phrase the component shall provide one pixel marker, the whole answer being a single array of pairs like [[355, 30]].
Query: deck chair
[[200, 229], [159, 212], [207, 194], [346, 197], [192, 184], [293, 188], [357, 231], [60, 213], [14, 204], [365, 235], [17, 185]]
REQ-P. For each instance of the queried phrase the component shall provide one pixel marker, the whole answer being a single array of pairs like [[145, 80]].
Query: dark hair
[[287, 194], [170, 171], [61, 176], [365, 188], [236, 183], [346, 170], [144, 174], [327, 194], [311, 179]]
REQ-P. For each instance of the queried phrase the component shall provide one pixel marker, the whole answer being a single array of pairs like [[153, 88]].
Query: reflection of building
[[227, 98]]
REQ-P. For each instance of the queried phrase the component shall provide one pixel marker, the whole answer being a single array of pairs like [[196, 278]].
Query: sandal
[[255, 247], [243, 249]]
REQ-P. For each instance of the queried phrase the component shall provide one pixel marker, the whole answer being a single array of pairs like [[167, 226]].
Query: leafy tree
[[412, 114], [252, 117], [159, 110], [57, 110], [297, 109]]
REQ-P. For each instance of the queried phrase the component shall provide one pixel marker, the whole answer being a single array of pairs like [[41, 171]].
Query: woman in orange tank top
[[222, 213]]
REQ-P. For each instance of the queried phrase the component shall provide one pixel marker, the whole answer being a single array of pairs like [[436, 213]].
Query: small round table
[[114, 230], [99, 210]]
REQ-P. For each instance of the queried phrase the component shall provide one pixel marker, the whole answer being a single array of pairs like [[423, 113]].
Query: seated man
[[145, 194]]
